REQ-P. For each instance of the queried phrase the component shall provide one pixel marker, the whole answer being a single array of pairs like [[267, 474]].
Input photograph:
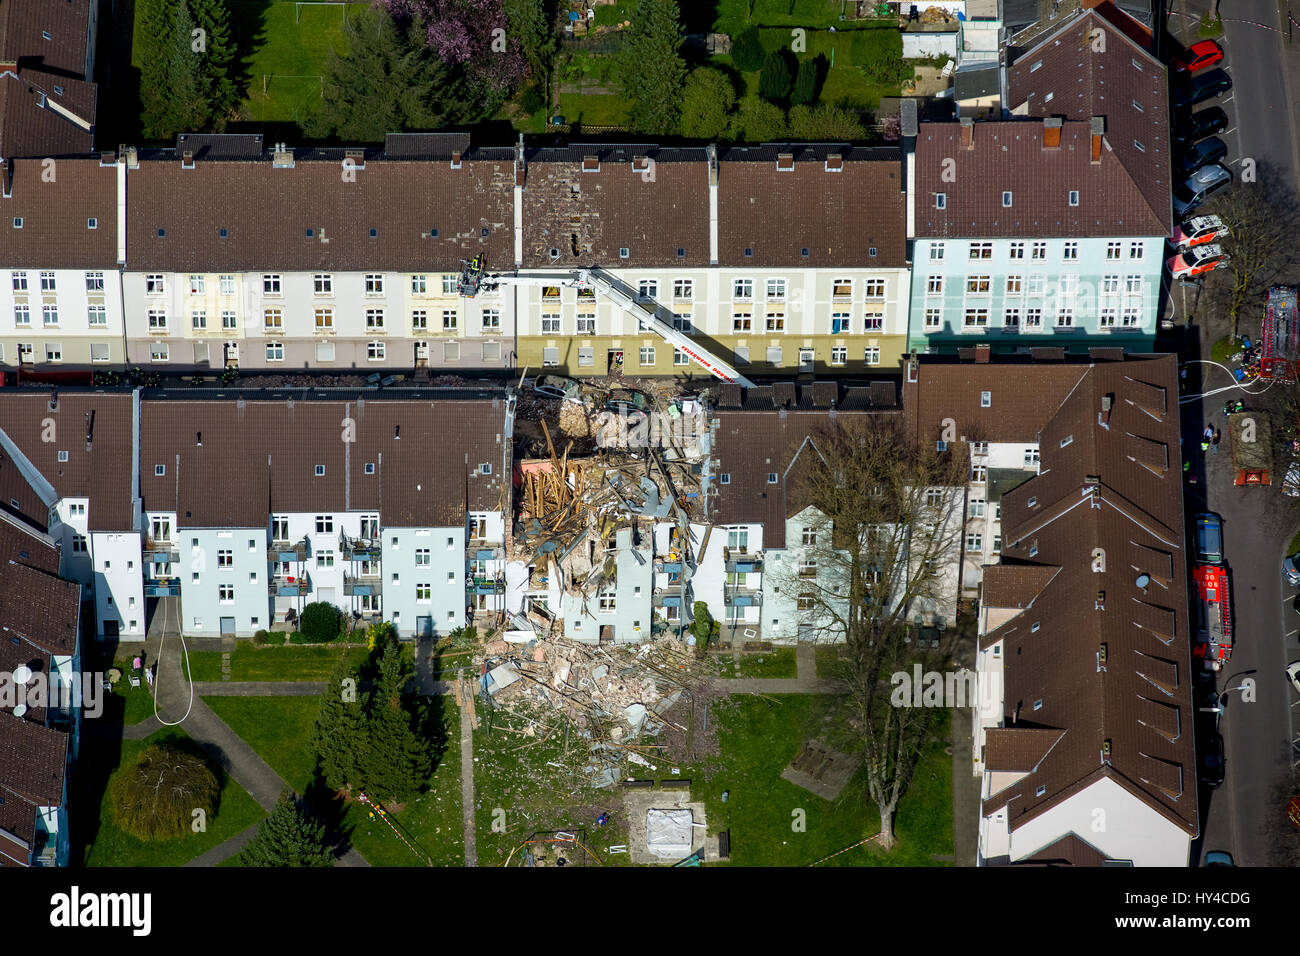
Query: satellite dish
[[1143, 580], [20, 710], [22, 674]]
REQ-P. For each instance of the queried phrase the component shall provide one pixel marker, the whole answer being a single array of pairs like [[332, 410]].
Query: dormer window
[[771, 478]]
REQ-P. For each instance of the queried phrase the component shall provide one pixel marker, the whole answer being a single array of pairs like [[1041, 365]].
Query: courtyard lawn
[[593, 109], [278, 728], [777, 663], [284, 49], [734, 15], [759, 739], [293, 662], [112, 847], [431, 821]]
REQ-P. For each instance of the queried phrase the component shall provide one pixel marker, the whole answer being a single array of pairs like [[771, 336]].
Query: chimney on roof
[[967, 132], [785, 162], [521, 165], [834, 163], [1051, 132], [281, 157], [982, 354], [591, 164], [641, 166], [1098, 130], [1107, 401], [129, 155], [187, 159], [713, 164], [9, 66], [455, 159]]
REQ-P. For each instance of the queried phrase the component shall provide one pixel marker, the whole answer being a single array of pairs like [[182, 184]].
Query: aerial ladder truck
[[475, 278]]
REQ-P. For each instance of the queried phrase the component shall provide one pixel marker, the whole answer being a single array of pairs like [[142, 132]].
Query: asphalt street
[[1244, 816]]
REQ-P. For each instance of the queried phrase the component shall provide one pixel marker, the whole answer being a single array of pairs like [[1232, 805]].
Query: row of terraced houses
[[1039, 233], [1045, 227]]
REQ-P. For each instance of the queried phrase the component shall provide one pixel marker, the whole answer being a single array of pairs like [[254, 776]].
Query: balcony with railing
[[289, 585], [485, 584], [160, 551], [162, 587], [359, 549], [283, 550], [743, 561], [738, 596], [361, 585]]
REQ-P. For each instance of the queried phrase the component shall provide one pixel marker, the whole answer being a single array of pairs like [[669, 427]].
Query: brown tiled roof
[[404, 201], [1023, 397], [24, 23], [269, 451], [24, 545], [1009, 156], [618, 203], [1018, 750], [55, 216], [30, 125], [1136, 697], [1084, 74], [837, 216], [32, 761], [1070, 850], [39, 607], [1014, 585], [748, 446], [98, 469]]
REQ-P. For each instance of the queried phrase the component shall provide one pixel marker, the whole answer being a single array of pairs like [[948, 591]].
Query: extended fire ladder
[[474, 279]]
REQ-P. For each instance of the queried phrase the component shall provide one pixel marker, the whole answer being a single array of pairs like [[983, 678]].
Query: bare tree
[[1264, 219], [881, 529]]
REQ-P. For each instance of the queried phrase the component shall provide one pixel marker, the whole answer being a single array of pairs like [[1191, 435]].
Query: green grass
[[607, 16], [296, 662], [759, 738], [777, 663], [829, 662], [734, 15], [1294, 546], [1209, 27], [278, 728], [291, 49], [1225, 348], [236, 811], [594, 109], [431, 820]]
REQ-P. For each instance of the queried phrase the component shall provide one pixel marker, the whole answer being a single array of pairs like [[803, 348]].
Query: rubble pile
[[614, 701]]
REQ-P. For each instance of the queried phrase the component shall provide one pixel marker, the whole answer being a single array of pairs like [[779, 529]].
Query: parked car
[[1201, 154], [1291, 570], [1209, 539], [1198, 187], [1295, 604], [1197, 261], [1212, 762], [557, 386], [1199, 230], [1198, 56], [1200, 125], [1200, 87], [1293, 672], [1218, 858]]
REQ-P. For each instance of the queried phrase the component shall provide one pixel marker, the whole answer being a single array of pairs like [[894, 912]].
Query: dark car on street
[[1201, 87], [1212, 762], [1201, 154], [1200, 125]]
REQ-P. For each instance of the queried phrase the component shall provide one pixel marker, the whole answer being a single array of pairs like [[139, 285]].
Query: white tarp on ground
[[669, 833]]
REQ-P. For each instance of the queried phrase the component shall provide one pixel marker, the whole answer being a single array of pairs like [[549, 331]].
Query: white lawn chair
[[135, 679]]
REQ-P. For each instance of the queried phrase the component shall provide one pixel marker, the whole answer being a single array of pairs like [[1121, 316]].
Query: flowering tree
[[471, 35]]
